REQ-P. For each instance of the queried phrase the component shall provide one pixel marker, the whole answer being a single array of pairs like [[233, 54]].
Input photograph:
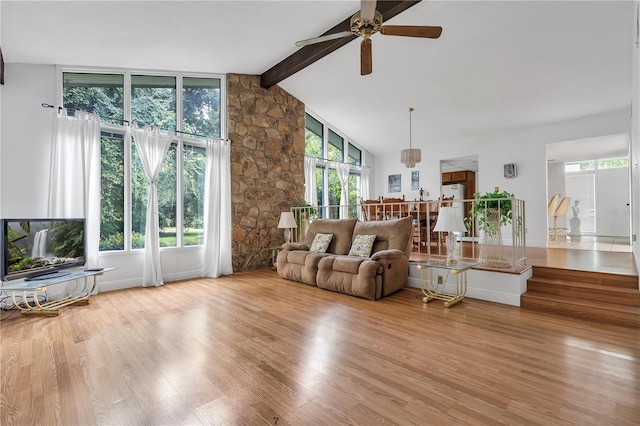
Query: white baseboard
[[136, 282]]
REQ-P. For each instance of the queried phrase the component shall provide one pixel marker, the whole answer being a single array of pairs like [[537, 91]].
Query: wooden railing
[[498, 246]]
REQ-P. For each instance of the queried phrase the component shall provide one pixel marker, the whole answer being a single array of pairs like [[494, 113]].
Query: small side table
[[434, 291], [274, 255]]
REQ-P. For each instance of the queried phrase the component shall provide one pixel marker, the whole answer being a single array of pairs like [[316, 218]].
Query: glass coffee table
[[79, 295], [435, 290]]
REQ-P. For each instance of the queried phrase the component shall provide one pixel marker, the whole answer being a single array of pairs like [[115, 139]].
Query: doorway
[[594, 174]]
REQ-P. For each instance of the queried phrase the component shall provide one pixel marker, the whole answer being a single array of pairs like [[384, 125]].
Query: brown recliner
[[385, 271], [295, 261]]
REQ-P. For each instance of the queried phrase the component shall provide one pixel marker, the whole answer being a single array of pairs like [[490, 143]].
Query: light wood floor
[[583, 260], [590, 242], [255, 349]]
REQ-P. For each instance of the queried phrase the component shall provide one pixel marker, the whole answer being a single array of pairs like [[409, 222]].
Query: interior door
[[612, 202]]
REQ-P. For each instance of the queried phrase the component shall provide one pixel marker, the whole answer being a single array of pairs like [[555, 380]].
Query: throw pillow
[[321, 243], [362, 245]]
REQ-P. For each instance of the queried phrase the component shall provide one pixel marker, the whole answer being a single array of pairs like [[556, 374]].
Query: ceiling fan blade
[[367, 9], [411, 31], [323, 38], [366, 60]]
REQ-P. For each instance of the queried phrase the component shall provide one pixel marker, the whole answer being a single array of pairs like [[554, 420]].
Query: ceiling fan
[[368, 21]]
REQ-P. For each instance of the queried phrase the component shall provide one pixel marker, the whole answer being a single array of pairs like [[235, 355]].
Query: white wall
[[524, 147], [24, 172], [26, 139], [1, 89], [635, 139]]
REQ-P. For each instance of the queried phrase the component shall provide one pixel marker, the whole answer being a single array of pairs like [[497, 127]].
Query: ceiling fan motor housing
[[365, 28]]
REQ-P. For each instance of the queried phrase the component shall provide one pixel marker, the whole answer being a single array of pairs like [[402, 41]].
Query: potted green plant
[[492, 210]]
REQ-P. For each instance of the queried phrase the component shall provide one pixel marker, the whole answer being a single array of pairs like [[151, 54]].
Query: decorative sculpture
[[574, 222]]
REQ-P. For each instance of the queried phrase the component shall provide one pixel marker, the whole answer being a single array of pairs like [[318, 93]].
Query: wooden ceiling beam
[[307, 55]]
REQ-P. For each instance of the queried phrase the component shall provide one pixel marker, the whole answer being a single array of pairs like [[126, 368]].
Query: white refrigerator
[[458, 191]]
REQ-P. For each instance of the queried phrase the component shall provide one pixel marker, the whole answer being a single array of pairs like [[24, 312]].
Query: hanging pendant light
[[410, 157]]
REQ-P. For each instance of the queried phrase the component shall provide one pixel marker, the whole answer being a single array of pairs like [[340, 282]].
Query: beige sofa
[[385, 271]]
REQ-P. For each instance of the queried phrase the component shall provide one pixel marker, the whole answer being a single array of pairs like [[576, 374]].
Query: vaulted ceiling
[[497, 66]]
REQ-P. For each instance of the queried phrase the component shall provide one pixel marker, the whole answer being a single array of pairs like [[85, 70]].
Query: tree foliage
[[150, 106]]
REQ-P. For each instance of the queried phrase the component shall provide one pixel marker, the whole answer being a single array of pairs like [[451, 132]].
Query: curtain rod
[[334, 161], [127, 122]]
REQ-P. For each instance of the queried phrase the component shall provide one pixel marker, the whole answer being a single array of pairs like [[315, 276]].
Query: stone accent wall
[[266, 129]]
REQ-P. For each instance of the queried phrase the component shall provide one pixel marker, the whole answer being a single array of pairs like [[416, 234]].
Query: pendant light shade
[[410, 157]]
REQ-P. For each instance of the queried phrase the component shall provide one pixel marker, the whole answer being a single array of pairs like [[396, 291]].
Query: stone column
[[266, 129]]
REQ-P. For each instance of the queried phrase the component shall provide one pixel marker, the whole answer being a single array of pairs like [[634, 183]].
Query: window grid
[[215, 105], [329, 146]]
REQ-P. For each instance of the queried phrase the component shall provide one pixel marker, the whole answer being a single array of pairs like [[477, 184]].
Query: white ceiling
[[497, 66]]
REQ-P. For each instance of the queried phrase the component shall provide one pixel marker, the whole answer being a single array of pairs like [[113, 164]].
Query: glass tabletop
[[441, 263], [22, 285]]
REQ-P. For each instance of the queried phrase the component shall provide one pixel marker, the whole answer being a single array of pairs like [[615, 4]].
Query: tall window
[[335, 149], [112, 191], [354, 193], [153, 101], [328, 146], [194, 164], [201, 106], [314, 131]]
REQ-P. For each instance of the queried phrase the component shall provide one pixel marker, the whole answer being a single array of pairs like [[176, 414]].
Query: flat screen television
[[41, 248]]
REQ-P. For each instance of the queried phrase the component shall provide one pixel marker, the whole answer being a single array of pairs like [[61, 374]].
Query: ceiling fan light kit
[[368, 21], [410, 157]]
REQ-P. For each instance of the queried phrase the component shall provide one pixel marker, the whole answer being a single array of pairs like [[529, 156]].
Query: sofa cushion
[[390, 234], [365, 281], [361, 245], [321, 242], [299, 265], [342, 230], [348, 264]]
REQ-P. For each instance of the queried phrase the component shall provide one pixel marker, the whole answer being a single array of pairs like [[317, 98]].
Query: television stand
[[34, 288], [47, 275]]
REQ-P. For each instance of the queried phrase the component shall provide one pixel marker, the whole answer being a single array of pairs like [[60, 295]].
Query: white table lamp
[[287, 221], [450, 221]]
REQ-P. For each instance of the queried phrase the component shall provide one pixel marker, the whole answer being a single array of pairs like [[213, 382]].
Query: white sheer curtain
[[310, 190], [217, 210], [343, 175], [364, 183], [74, 179], [152, 147]]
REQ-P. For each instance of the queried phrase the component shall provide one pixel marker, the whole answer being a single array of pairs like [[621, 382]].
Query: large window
[[153, 101], [329, 147]]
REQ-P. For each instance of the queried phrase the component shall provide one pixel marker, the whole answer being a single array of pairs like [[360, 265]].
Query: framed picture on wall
[[509, 170], [394, 183], [415, 180]]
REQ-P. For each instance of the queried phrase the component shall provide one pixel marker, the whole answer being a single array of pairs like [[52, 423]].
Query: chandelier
[[409, 157]]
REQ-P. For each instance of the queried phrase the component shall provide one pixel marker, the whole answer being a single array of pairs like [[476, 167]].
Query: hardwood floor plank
[[253, 348]]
